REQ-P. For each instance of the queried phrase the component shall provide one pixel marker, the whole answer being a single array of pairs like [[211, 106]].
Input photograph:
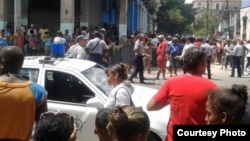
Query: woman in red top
[[18, 39], [161, 57]]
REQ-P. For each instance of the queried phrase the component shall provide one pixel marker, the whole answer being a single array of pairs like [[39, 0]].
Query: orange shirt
[[18, 104]]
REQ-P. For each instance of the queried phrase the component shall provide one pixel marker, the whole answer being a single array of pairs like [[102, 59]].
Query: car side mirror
[[94, 102]]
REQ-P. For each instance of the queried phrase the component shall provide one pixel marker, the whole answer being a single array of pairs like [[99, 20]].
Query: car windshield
[[97, 76]]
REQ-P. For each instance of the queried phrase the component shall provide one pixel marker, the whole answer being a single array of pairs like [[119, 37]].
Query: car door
[[68, 94]]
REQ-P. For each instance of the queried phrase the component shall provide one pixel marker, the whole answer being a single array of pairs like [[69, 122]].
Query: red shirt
[[18, 40], [161, 54], [187, 99]]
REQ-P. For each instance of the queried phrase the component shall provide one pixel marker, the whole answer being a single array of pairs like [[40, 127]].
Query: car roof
[[76, 64]]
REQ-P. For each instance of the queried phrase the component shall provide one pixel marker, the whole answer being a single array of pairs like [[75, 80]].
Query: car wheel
[[153, 137]]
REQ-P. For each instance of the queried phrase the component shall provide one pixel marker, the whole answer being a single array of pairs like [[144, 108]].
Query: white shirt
[[238, 50], [184, 50], [28, 32], [155, 41], [229, 49], [79, 52], [248, 47], [138, 46], [120, 95], [70, 51], [99, 48], [59, 40], [208, 49]]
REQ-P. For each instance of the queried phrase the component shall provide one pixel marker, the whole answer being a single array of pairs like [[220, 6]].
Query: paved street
[[219, 76]]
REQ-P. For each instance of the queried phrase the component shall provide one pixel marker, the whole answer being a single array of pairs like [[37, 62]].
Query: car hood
[[158, 119]]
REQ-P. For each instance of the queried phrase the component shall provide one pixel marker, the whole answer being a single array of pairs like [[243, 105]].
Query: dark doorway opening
[[48, 12], [45, 12]]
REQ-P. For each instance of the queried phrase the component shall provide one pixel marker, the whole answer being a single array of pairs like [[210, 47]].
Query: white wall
[[245, 12]]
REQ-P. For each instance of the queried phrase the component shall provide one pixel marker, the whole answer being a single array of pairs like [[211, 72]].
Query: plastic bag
[[168, 64]]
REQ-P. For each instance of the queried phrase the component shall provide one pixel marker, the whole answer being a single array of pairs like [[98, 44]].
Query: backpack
[[131, 101]]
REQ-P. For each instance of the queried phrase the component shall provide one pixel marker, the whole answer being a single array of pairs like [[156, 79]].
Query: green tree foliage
[[174, 16], [204, 25], [151, 5]]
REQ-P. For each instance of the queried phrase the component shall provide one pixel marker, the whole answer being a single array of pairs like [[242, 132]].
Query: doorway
[[45, 12]]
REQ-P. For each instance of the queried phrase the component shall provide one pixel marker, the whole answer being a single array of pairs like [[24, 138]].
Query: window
[[66, 87], [217, 6], [199, 5], [30, 74], [97, 76]]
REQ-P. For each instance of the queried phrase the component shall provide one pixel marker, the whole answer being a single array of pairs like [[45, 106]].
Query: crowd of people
[[120, 120], [167, 54], [38, 41]]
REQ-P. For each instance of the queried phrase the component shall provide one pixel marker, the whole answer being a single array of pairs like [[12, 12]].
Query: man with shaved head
[[21, 100]]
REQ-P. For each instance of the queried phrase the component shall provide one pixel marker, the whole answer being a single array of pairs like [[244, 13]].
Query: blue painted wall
[[132, 20], [109, 12]]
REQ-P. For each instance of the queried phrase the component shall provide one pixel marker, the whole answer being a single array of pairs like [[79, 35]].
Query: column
[[67, 15], [17, 14], [123, 17], [84, 13], [2, 14]]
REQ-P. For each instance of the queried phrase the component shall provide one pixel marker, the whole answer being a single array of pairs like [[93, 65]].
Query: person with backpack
[[122, 93], [96, 49]]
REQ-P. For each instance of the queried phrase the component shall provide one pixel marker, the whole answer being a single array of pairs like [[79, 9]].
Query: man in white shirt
[[229, 55], [237, 55], [32, 27], [79, 52], [59, 38], [209, 51], [97, 49], [70, 51]]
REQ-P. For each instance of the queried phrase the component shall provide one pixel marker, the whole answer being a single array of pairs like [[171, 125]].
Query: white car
[[79, 88]]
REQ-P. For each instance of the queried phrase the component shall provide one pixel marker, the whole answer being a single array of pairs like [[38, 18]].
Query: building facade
[[126, 15], [245, 20], [228, 11]]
